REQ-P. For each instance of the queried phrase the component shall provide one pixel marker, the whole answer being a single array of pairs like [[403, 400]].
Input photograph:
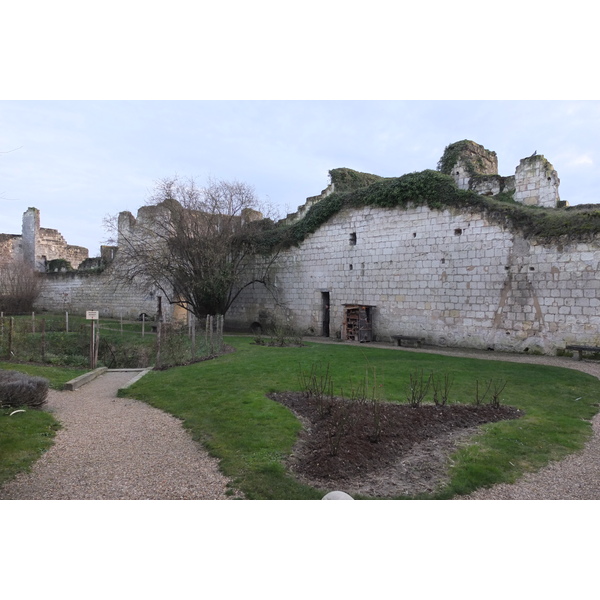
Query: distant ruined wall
[[37, 245], [52, 245], [80, 292], [10, 247], [30, 239], [452, 279], [302, 210]]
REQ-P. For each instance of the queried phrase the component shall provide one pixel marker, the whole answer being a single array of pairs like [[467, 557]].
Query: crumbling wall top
[[475, 159]]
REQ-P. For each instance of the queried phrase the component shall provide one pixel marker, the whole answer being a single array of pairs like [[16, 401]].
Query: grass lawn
[[223, 403], [24, 437]]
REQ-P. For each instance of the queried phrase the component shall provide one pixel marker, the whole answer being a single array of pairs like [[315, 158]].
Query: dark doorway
[[326, 305]]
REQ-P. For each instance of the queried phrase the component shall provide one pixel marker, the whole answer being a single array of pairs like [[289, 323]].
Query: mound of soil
[[383, 450]]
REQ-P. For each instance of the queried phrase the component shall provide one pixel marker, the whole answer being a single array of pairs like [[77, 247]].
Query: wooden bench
[[581, 349], [408, 341]]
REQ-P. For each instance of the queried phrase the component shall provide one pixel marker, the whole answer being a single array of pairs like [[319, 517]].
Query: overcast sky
[[79, 161]]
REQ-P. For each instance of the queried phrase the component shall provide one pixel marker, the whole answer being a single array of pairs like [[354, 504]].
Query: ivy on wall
[[468, 151], [347, 180], [437, 191]]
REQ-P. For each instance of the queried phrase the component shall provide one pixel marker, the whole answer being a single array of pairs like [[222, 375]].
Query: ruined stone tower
[[474, 168], [30, 239], [536, 182]]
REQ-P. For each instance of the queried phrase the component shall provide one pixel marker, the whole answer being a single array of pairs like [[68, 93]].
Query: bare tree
[[20, 287], [197, 245]]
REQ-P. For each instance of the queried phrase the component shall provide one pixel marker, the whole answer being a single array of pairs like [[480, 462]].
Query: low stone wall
[[80, 292]]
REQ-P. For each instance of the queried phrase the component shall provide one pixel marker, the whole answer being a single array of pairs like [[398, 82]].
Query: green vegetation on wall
[[347, 180], [438, 191], [58, 265], [463, 149]]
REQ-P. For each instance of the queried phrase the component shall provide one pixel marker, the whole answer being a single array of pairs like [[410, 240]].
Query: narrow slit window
[[353, 238]]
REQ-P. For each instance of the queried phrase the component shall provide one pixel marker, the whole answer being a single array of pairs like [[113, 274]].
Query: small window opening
[[443, 261], [415, 234], [458, 231], [353, 239], [350, 267]]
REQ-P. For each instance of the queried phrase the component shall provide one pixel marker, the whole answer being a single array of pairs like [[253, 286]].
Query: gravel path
[[118, 449]]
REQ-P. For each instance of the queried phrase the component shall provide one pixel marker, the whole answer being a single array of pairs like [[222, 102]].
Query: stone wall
[[536, 182], [453, 279], [52, 245], [37, 245], [79, 292], [473, 159], [302, 210], [9, 247], [474, 168]]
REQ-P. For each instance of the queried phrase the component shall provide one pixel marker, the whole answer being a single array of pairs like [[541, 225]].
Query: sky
[[80, 161]]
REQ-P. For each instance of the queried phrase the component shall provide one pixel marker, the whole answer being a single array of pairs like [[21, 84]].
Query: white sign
[[92, 315]]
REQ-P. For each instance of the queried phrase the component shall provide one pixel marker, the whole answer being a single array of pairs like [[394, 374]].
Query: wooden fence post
[[193, 324], [43, 341], [11, 330]]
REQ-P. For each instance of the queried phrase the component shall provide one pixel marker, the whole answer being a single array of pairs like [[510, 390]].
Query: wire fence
[[64, 340]]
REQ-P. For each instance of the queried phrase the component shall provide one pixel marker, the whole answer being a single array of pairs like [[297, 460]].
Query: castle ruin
[[474, 272], [38, 246]]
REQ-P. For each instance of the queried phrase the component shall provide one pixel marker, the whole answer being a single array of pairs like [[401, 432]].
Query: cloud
[[583, 160]]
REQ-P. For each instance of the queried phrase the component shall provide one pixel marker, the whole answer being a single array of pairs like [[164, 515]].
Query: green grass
[[57, 376], [223, 403], [24, 437]]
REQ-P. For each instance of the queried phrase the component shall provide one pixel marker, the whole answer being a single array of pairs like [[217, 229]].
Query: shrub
[[19, 389], [19, 287]]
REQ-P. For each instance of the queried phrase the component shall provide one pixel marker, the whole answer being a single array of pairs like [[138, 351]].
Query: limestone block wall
[[474, 159], [52, 245], [10, 247], [536, 182], [491, 185], [30, 239], [302, 210], [36, 245], [80, 292], [451, 278]]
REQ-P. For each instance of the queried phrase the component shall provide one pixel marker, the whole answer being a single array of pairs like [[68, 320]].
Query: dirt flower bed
[[392, 451]]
